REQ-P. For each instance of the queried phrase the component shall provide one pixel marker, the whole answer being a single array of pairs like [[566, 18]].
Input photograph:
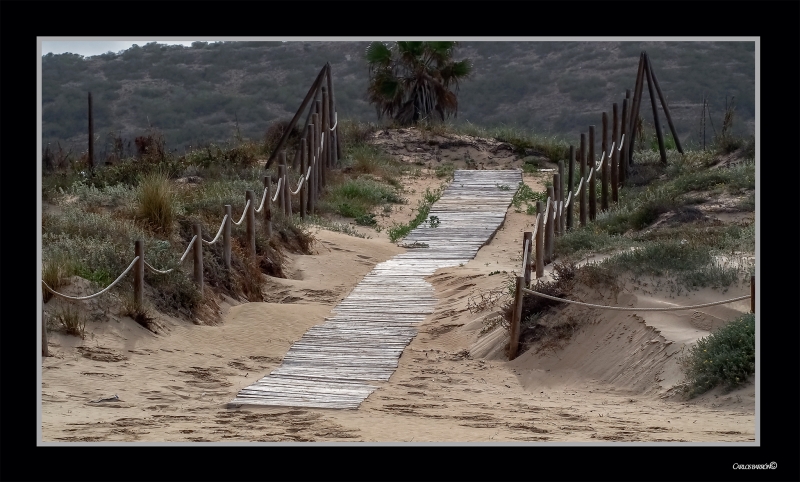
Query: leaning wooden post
[[592, 182], [561, 217], [604, 168], [539, 239], [615, 156], [656, 120], [138, 274], [637, 100], [571, 186], [312, 181], [336, 150], [752, 293], [250, 217], [527, 241], [326, 128], [548, 233], [515, 320], [267, 208], [226, 232], [91, 135], [304, 174], [626, 139], [582, 196], [665, 107], [198, 257]]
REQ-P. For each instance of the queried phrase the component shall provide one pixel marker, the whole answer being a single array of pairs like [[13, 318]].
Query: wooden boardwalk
[[332, 364]]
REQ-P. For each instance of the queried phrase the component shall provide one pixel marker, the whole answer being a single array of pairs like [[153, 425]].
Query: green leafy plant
[[433, 221], [727, 357]]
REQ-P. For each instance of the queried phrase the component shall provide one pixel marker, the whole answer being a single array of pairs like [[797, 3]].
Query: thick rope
[[620, 142], [220, 229], [308, 175], [243, 213], [569, 198], [617, 308], [263, 199], [299, 186], [96, 294], [191, 243], [156, 270], [277, 190], [546, 218], [335, 120], [535, 227]]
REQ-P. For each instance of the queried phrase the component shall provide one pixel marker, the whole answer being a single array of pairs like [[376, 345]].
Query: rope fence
[[315, 146]]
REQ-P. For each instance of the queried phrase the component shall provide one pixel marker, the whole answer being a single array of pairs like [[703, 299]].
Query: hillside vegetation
[[211, 91]]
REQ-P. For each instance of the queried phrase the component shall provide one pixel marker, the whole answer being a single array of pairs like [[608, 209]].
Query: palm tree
[[411, 81]]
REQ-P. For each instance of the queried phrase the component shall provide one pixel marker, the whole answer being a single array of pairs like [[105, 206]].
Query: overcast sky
[[88, 48]]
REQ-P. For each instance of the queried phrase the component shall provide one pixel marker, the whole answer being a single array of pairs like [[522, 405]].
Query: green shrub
[[726, 357]]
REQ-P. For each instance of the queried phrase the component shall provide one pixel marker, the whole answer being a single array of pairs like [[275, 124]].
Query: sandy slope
[[611, 382]]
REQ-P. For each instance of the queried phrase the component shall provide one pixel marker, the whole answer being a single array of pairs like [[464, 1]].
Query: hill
[[206, 92]]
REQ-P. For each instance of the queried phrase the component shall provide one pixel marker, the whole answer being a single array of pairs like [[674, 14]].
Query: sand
[[614, 380]]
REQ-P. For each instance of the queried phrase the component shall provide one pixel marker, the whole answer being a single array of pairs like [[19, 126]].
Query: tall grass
[[155, 202]]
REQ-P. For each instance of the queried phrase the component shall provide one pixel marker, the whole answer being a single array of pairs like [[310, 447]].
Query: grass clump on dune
[[726, 357]]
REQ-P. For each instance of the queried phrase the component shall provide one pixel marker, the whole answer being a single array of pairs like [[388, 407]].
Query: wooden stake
[[637, 100], [548, 233], [593, 180], [540, 240], [656, 121], [561, 197], [556, 200], [626, 139], [226, 231], [665, 107], [198, 257], [303, 171], [321, 160], [604, 168], [138, 274], [251, 222], [515, 320], [582, 162], [312, 181], [268, 207], [615, 156], [571, 186], [527, 237], [309, 95], [336, 152]]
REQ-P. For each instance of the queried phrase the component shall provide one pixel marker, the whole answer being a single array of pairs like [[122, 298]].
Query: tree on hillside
[[412, 81]]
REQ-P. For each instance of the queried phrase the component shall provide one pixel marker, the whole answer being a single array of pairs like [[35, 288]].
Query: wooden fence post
[[267, 208], [656, 120], [665, 107], [527, 238], [198, 256], [318, 147], [280, 199], [91, 135], [138, 274], [540, 240], [571, 186], [582, 162], [548, 233], [286, 193], [515, 320], [312, 182], [752, 293], [593, 181], [556, 199], [336, 150], [250, 217], [561, 197], [226, 232], [604, 167], [615, 156], [626, 139], [303, 172], [637, 100], [326, 128]]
